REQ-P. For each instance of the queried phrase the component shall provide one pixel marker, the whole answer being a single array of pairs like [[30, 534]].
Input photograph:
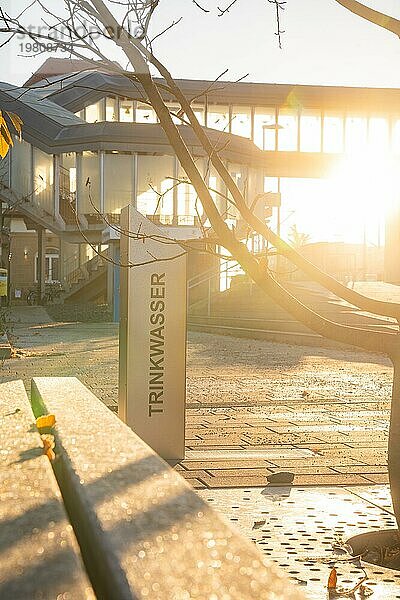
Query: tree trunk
[[394, 440], [371, 15]]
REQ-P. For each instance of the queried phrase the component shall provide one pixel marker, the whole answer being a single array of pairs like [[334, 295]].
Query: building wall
[[24, 248]]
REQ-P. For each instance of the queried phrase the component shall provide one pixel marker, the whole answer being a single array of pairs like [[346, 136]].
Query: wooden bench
[[142, 530]]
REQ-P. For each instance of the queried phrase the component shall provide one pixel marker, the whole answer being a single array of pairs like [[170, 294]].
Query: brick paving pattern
[[253, 407]]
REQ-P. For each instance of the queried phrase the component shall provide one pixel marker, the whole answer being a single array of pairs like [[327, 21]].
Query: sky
[[323, 43]]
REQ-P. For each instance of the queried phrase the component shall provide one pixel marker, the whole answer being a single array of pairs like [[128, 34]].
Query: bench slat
[[143, 531], [39, 555]]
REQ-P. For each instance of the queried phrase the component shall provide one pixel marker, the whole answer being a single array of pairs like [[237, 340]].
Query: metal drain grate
[[297, 528]]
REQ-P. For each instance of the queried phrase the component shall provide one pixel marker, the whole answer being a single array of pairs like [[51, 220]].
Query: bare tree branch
[[373, 16]]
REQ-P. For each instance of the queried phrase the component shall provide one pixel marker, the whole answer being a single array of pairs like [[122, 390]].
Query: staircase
[[69, 226], [87, 283], [245, 310]]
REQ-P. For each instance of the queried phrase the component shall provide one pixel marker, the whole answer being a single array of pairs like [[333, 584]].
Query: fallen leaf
[[258, 524], [365, 591], [50, 454], [332, 580], [48, 445], [45, 421], [48, 441]]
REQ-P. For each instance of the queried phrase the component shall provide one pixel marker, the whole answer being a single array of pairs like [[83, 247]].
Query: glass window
[[67, 201], [189, 205], [5, 169], [217, 190], [51, 265], [167, 201], [155, 186], [396, 136], [228, 269], [21, 168], [43, 174], [254, 184], [265, 128], [126, 111], [271, 184], [356, 134], [378, 134], [118, 181], [145, 113], [175, 108], [199, 111], [218, 117], [239, 175], [288, 124], [68, 172], [93, 112], [310, 131], [241, 121], [89, 184], [333, 133], [111, 109]]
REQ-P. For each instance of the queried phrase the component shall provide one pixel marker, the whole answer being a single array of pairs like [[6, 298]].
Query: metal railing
[[75, 273]]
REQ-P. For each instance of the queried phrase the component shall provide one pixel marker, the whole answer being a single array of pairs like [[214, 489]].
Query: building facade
[[91, 145]]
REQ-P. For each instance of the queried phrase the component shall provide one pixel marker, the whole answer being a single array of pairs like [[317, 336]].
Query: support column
[[56, 179], [175, 193], [392, 237], [116, 280], [41, 263]]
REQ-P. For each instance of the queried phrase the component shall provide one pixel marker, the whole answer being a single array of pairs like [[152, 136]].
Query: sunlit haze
[[322, 44]]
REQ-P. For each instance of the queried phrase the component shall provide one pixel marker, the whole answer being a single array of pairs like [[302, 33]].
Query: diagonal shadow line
[[100, 489], [102, 559], [158, 518], [50, 578], [102, 563]]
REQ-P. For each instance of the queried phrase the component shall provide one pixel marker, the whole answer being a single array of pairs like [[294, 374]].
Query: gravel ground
[[225, 369], [221, 369]]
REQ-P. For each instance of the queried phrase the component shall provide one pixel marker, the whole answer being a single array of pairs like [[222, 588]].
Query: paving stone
[[268, 438], [195, 473], [317, 461], [219, 481], [371, 445], [214, 448], [196, 484], [380, 478], [225, 464], [334, 479], [368, 469], [216, 443], [240, 472], [323, 446]]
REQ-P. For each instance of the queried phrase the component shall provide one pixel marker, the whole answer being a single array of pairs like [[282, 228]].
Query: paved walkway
[[255, 407]]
